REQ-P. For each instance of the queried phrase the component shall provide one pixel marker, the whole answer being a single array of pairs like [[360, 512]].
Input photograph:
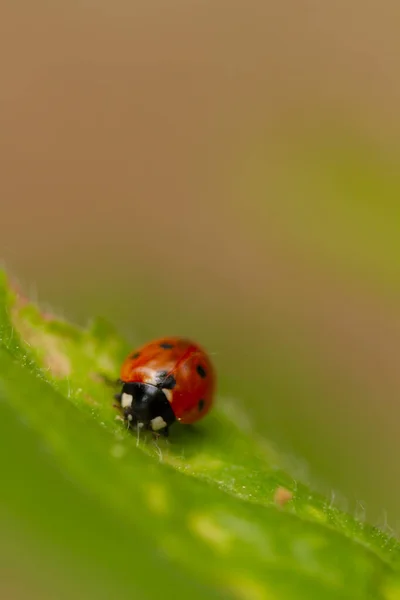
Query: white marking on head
[[157, 423], [151, 378], [168, 394], [126, 400]]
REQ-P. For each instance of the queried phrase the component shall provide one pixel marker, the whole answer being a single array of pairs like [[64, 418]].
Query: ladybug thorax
[[146, 405]]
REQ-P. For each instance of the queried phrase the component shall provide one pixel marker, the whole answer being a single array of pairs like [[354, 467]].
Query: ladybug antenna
[[138, 428]]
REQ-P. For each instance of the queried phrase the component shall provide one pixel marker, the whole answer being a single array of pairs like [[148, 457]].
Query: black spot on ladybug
[[169, 382], [166, 346], [200, 405], [201, 371], [135, 355]]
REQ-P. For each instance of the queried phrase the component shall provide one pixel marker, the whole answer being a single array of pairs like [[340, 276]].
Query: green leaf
[[91, 510]]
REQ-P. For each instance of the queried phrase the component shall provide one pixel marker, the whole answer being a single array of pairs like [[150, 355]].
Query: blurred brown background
[[228, 171]]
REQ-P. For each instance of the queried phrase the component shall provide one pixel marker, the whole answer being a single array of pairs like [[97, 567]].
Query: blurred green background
[[227, 171]]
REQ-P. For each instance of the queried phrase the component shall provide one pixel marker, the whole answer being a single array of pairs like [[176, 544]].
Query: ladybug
[[167, 380]]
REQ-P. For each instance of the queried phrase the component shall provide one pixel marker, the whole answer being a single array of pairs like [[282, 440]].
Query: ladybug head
[[146, 404]]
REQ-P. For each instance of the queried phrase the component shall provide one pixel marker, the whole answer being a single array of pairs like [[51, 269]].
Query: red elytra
[[168, 373]]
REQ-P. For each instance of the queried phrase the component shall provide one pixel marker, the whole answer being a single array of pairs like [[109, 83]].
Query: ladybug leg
[[165, 432], [139, 426], [117, 403]]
